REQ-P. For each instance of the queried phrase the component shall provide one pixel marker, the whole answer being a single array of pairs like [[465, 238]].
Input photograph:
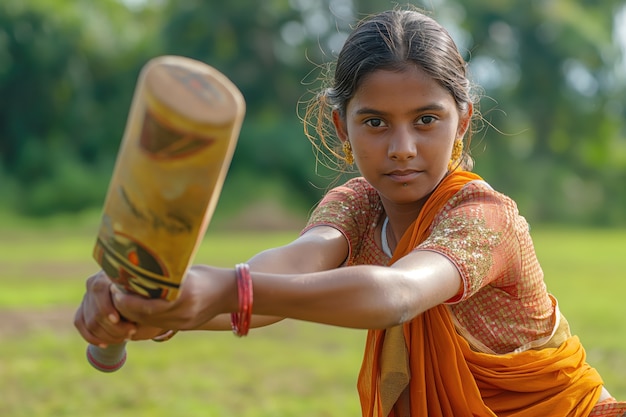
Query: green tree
[[551, 68], [550, 72], [66, 75], [268, 49]]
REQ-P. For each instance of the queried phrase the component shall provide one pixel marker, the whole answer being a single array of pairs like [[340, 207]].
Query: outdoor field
[[291, 369]]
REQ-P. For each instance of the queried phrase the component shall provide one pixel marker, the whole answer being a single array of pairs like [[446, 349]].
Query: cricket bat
[[178, 143]]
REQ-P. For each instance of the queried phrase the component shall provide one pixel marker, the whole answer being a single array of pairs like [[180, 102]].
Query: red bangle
[[240, 321]]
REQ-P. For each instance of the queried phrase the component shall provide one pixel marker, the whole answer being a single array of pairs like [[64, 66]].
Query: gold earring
[[457, 152], [347, 152]]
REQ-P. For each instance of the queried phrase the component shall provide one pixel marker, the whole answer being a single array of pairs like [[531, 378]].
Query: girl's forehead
[[411, 85], [412, 72]]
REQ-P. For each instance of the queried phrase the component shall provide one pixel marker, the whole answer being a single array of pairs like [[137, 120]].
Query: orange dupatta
[[424, 368]]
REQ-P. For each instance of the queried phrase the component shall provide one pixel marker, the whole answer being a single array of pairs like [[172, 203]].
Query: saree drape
[[425, 368]]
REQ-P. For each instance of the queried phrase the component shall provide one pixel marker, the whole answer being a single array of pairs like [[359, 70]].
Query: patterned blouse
[[504, 305]]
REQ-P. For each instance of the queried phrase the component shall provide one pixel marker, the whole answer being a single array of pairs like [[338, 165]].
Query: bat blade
[[180, 136]]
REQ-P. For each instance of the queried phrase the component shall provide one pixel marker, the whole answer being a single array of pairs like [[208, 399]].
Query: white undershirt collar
[[383, 238]]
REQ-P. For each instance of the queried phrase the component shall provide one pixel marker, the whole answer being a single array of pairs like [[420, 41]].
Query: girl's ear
[[464, 121], [340, 126]]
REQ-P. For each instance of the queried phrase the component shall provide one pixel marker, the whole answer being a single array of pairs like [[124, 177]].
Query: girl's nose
[[402, 145]]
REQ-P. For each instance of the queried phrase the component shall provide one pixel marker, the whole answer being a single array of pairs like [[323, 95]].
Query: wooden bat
[[179, 139]]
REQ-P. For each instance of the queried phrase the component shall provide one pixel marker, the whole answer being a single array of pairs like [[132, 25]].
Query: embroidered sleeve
[[476, 231], [348, 208]]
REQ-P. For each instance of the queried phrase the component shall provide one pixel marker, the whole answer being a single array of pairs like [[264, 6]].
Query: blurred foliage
[[552, 73]]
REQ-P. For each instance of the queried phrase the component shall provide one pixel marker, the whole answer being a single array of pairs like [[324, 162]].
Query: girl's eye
[[426, 120], [375, 123]]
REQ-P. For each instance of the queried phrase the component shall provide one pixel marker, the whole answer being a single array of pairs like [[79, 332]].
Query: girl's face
[[402, 126]]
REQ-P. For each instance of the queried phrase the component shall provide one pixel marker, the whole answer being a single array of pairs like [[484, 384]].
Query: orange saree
[[424, 368]]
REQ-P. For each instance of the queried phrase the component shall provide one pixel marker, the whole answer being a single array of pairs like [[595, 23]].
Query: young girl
[[426, 255]]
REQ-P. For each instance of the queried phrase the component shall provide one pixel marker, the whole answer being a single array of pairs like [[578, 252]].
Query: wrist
[[165, 336]]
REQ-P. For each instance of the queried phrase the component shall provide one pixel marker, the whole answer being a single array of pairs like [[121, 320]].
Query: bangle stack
[[240, 321]]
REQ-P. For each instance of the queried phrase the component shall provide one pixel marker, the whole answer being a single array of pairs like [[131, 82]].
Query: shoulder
[[480, 230], [354, 197], [478, 213], [354, 189], [479, 192], [477, 201], [352, 208]]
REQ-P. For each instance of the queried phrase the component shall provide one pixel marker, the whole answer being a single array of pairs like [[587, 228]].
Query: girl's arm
[[100, 323], [366, 297], [359, 297], [319, 249]]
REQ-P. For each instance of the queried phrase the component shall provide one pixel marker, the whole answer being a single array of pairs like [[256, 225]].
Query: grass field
[[290, 369]]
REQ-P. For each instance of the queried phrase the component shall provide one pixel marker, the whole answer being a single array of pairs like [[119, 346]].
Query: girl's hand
[[97, 320], [205, 293]]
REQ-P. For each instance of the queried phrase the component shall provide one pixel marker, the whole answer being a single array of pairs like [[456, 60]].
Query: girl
[[438, 266]]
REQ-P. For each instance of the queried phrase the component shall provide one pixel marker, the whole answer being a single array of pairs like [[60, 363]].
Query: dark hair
[[393, 40]]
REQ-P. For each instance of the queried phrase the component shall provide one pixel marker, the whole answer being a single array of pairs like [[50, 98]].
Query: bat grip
[[108, 359]]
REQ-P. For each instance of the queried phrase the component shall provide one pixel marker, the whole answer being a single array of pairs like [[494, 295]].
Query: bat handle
[[108, 359]]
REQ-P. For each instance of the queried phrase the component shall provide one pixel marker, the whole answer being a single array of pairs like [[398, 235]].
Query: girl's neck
[[396, 223], [401, 217]]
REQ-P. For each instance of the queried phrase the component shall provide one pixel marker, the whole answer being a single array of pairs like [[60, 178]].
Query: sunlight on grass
[[291, 369]]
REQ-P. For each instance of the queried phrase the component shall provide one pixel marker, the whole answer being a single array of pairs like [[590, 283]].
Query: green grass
[[290, 369]]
